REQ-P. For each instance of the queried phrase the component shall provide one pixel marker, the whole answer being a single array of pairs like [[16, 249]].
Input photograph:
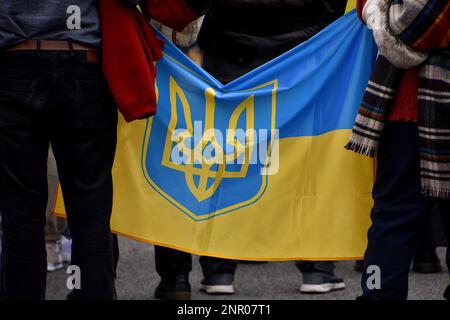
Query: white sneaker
[[322, 288], [54, 258], [217, 289], [221, 283], [321, 282]]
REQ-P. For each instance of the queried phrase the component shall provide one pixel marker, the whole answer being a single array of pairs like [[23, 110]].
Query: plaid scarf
[[414, 33]]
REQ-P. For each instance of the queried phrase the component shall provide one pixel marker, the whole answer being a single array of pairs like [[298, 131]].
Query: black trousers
[[399, 213], [170, 262], [327, 267], [56, 97]]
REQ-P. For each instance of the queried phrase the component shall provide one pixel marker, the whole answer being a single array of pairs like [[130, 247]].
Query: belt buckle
[[92, 56]]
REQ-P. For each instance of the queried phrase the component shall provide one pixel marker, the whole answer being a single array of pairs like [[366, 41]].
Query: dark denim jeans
[[327, 267], [170, 262], [399, 212], [56, 97]]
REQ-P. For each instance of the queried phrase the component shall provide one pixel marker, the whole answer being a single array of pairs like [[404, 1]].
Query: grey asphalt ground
[[137, 280]]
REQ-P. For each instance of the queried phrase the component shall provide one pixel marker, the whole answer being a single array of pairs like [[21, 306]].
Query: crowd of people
[[53, 91]]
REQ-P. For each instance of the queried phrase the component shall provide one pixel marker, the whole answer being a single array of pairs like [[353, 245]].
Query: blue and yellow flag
[[255, 169]]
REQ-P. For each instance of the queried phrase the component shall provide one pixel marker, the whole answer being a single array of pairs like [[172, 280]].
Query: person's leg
[[218, 275], [116, 253], [319, 277], [84, 143], [0, 240], [425, 258], [399, 212], [170, 262], [445, 214], [54, 225], [24, 147], [173, 267]]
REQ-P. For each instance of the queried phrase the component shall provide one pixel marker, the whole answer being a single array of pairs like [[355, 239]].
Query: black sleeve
[[130, 3], [331, 11], [199, 6]]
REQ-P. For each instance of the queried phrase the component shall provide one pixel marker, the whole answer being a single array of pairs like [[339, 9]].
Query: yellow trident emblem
[[195, 163]]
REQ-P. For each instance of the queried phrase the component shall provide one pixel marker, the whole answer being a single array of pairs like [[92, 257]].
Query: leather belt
[[56, 45]]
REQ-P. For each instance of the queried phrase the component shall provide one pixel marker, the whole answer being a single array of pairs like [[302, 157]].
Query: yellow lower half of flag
[[351, 4], [315, 208]]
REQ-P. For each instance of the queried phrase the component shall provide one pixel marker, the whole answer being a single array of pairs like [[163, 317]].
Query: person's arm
[[176, 14], [331, 11], [375, 14], [396, 21], [430, 28]]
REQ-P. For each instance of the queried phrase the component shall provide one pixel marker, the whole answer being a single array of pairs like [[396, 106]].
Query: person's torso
[[240, 35], [260, 24], [265, 17], [76, 20]]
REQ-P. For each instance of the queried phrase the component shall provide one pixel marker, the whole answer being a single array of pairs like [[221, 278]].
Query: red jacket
[[130, 49]]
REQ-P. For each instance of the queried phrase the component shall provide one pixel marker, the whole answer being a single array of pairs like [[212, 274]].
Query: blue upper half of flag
[[320, 82]]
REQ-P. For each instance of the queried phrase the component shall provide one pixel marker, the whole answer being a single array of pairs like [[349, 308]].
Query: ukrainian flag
[[255, 169], [351, 4]]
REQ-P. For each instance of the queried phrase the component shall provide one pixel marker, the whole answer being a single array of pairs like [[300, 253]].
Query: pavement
[[137, 280]]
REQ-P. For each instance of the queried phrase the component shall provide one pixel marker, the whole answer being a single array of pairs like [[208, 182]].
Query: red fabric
[[175, 14], [360, 7], [405, 106], [130, 49]]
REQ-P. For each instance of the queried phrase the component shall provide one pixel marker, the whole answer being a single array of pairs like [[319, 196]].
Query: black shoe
[[221, 283], [359, 266], [447, 293], [71, 295], [426, 261], [321, 282], [174, 288]]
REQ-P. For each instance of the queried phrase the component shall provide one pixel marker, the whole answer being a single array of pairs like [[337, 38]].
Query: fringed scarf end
[[361, 149], [433, 192]]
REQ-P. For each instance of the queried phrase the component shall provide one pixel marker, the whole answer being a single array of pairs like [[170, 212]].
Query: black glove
[[130, 3]]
